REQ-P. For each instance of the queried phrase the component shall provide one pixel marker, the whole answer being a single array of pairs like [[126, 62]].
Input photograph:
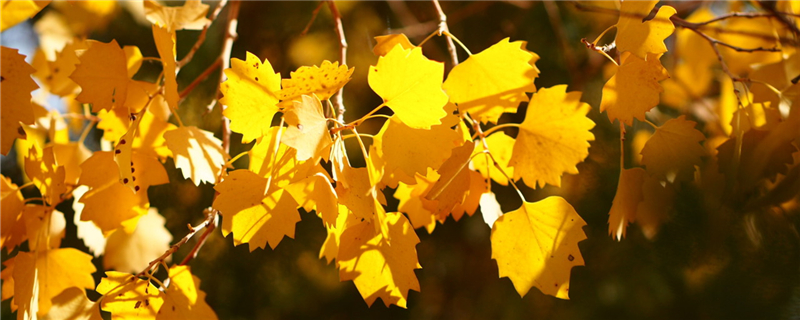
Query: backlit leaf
[[16, 11], [641, 38], [127, 297], [537, 245], [197, 153], [51, 272], [183, 299], [387, 42], [629, 194], [102, 75], [378, 267], [251, 96], [15, 75], [411, 85], [323, 81], [553, 138], [493, 81], [673, 150], [634, 89], [190, 16], [307, 129], [132, 251], [165, 43]]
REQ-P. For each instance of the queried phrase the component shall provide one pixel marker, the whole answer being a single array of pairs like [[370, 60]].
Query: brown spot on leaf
[[121, 142], [570, 258], [21, 131], [118, 151], [256, 78], [136, 188], [125, 181], [138, 304], [133, 170]]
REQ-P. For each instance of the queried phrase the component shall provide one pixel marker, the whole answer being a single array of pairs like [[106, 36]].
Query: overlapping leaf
[[197, 153], [50, 272], [16, 98], [251, 95], [673, 150], [308, 129], [634, 89], [322, 81], [641, 38], [103, 76], [128, 297]]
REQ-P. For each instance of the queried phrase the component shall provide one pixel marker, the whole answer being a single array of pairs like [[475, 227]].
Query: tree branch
[[338, 101]]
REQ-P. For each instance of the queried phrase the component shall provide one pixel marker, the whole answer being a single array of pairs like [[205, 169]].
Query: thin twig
[[443, 28], [202, 38], [313, 17], [211, 219], [770, 6], [200, 78], [192, 231], [227, 46], [338, 101]]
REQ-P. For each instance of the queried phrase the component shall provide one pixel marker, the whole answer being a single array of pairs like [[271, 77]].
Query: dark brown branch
[[770, 6], [210, 219], [313, 17], [201, 77], [210, 224], [227, 46]]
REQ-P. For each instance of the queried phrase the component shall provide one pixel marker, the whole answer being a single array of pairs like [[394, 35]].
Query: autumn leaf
[[322, 81], [477, 187], [15, 12], [653, 210], [102, 75], [623, 209], [359, 195], [490, 208], [410, 151], [165, 44], [12, 226], [413, 202], [494, 81], [54, 75], [51, 272], [764, 154], [553, 138], [127, 297], [72, 304], [251, 96], [149, 135], [316, 193], [330, 248], [641, 38], [108, 202], [673, 150], [307, 129], [16, 97], [501, 146], [379, 268], [411, 85], [183, 299], [634, 89], [387, 42], [197, 153], [453, 183], [537, 245], [132, 251], [71, 156], [254, 214], [44, 226], [190, 16], [91, 235], [46, 174]]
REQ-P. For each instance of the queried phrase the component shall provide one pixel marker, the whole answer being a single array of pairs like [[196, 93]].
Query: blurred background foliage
[[682, 273]]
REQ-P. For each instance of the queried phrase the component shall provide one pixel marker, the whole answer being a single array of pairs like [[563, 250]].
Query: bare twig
[[770, 6], [227, 46], [210, 218], [338, 101], [210, 224], [200, 78], [202, 37], [313, 17], [444, 28]]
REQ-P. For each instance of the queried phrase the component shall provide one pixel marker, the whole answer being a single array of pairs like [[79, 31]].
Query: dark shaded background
[[683, 273]]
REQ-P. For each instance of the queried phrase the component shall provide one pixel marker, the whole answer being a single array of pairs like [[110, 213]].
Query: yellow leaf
[[131, 252], [323, 81], [378, 267], [359, 194], [133, 58], [748, 33], [149, 137], [413, 202], [51, 272], [409, 150], [16, 97], [634, 89], [72, 304], [108, 202], [673, 150], [183, 299], [165, 44], [629, 194], [129, 298], [102, 75], [490, 208], [190, 16], [493, 81], [55, 74], [411, 85], [12, 226], [501, 147], [537, 245], [763, 154], [330, 248], [316, 193], [308, 129], [453, 184], [553, 138], [254, 214], [91, 235], [43, 224], [387, 42], [251, 96], [71, 156], [15, 11], [46, 174], [653, 210], [197, 153], [8, 281], [477, 187], [641, 38]]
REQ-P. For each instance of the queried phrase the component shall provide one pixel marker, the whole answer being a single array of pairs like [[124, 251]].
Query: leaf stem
[[497, 127], [232, 160]]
